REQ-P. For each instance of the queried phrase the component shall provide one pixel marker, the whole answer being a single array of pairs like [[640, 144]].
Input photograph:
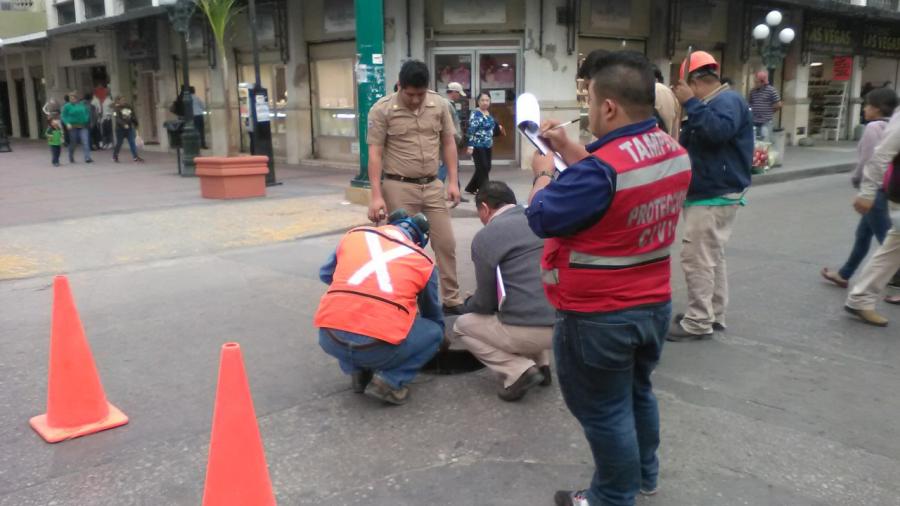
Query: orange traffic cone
[[76, 404], [236, 472]]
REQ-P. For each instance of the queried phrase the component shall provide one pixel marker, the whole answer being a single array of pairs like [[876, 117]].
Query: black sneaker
[[529, 379], [359, 380], [89, 161], [116, 158], [570, 498], [649, 491], [548, 376], [380, 390], [138, 159]]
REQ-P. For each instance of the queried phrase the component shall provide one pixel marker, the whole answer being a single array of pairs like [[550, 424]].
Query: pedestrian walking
[[381, 316], [77, 117], [765, 102], [878, 107], [106, 123], [609, 220], [126, 128], [876, 274], [406, 130], [199, 118], [718, 135], [459, 109], [95, 107], [54, 140], [482, 130], [508, 323]]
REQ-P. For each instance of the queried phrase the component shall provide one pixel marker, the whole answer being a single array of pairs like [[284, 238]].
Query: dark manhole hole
[[452, 362]]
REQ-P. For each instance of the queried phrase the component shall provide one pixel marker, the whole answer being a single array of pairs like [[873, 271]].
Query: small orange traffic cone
[[76, 404], [236, 472]]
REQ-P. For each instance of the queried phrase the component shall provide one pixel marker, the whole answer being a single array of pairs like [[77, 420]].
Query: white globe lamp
[[761, 32], [786, 36], [773, 18]]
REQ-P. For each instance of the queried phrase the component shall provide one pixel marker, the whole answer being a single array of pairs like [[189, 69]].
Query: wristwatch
[[542, 174]]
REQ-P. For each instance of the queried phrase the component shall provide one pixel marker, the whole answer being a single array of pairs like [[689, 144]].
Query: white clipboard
[[528, 122]]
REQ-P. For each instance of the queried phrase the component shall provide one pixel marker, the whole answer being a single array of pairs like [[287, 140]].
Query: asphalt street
[[795, 405]]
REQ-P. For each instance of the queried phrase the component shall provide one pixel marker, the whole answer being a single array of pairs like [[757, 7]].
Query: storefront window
[[336, 103]]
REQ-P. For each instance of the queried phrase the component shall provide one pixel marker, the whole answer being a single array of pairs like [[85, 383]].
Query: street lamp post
[[180, 17], [261, 134], [772, 47], [4, 139]]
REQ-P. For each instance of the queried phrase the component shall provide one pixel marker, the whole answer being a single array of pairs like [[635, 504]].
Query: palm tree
[[220, 14]]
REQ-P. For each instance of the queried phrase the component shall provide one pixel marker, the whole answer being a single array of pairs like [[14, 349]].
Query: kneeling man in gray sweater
[[508, 323]]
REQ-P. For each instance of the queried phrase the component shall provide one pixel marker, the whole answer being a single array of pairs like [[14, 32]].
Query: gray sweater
[[508, 241]]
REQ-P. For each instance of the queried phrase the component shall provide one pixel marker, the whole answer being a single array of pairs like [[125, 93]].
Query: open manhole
[[452, 362]]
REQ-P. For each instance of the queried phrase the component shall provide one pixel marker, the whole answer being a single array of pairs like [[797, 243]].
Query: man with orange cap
[[381, 316], [718, 135], [764, 102]]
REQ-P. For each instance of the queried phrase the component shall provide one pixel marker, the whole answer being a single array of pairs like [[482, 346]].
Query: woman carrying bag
[[482, 130]]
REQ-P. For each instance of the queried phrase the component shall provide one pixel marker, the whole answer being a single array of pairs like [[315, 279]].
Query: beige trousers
[[872, 281], [509, 350], [706, 231], [429, 199]]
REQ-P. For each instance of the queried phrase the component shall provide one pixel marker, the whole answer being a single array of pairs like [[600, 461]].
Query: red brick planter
[[238, 177]]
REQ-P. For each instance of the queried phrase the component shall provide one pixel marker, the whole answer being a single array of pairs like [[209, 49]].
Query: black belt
[[412, 180], [335, 338]]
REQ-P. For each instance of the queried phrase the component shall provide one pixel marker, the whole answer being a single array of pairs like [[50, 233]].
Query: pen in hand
[[567, 123]]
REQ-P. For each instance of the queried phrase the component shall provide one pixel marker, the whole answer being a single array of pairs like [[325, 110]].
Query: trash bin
[[174, 129], [778, 144]]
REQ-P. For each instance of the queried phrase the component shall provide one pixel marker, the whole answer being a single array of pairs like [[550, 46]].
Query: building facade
[[500, 47]]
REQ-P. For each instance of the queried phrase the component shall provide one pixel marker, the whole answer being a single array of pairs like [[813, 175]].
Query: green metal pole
[[370, 74]]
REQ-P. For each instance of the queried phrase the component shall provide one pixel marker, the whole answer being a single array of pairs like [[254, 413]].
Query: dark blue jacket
[[719, 139]]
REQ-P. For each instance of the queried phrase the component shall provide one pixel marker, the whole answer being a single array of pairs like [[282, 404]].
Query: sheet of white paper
[[501, 289], [528, 122]]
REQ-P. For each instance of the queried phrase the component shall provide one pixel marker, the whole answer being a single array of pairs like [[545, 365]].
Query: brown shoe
[[834, 277], [532, 377], [868, 316], [380, 390]]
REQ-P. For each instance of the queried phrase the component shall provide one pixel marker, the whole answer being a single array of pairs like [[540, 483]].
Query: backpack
[[892, 181], [659, 121]]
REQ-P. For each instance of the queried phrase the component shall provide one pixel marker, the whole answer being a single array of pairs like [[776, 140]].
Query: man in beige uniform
[[405, 133]]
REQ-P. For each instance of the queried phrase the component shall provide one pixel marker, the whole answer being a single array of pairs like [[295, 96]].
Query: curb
[[781, 177]]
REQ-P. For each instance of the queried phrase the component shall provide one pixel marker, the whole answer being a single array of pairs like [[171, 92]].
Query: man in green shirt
[[77, 117]]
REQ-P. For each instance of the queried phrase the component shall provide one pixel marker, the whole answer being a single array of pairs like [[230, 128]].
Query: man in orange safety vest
[[381, 316]]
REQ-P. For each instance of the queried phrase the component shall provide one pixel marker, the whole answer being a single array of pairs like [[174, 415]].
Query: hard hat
[[700, 59], [416, 225]]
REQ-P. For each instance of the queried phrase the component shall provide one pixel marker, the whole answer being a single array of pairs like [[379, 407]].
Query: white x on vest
[[378, 263]]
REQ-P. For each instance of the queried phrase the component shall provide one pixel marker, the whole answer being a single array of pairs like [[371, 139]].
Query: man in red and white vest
[[381, 316], [610, 219]]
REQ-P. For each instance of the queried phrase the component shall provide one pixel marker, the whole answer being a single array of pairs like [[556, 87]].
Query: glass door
[[491, 71]]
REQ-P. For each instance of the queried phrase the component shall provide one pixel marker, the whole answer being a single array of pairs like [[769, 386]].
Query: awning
[[874, 10], [22, 39], [93, 24]]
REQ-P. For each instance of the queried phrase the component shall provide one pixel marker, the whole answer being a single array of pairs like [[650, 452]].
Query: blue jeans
[[82, 136], [121, 135], [875, 223], [763, 131], [397, 364], [604, 361], [54, 154]]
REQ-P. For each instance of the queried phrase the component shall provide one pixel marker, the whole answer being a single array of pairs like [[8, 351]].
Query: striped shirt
[[762, 103]]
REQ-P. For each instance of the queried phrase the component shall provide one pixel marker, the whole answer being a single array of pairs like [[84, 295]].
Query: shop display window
[[336, 102]]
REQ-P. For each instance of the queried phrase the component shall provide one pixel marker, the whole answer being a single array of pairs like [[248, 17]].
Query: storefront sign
[[83, 53], [843, 68], [881, 40], [829, 35]]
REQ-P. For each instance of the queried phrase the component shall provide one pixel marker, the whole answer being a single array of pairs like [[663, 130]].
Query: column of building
[[299, 107]]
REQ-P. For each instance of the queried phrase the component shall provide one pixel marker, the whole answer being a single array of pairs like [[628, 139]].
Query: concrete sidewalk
[[88, 216]]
